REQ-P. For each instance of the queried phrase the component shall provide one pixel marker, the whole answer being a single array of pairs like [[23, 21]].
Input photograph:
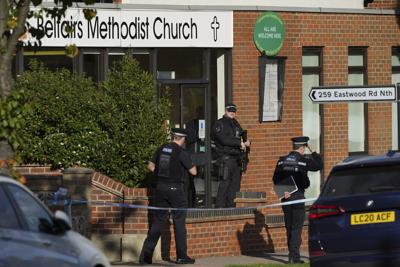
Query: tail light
[[317, 253], [319, 211]]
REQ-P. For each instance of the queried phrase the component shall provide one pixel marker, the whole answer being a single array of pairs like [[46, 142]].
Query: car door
[[33, 243], [10, 252]]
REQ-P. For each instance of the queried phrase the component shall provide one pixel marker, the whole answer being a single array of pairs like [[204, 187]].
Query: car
[[30, 235], [355, 221]]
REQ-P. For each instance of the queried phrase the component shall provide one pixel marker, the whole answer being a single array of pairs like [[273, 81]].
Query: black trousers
[[173, 196], [190, 190], [294, 219], [229, 185]]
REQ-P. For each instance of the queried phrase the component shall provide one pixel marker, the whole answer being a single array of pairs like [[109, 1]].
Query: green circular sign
[[269, 33]]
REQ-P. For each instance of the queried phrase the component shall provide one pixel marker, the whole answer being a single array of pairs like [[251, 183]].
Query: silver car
[[30, 235]]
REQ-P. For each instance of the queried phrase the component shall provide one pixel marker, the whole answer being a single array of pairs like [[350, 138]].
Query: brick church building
[[205, 53]]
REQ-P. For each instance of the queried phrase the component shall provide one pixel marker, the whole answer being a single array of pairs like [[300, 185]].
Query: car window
[[363, 180], [31, 210], [8, 216]]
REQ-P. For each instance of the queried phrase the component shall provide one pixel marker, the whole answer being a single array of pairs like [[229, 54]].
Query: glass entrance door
[[193, 104], [188, 111]]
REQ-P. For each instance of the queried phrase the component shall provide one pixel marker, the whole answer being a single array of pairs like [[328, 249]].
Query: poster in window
[[271, 88]]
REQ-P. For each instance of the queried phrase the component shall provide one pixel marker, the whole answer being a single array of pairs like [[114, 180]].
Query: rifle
[[244, 154]]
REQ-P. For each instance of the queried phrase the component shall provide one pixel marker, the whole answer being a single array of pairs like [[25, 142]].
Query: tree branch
[[23, 9]]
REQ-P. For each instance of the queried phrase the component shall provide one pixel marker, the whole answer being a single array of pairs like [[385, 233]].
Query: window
[[8, 216], [395, 106], [312, 76], [91, 65], [143, 57], [113, 57], [93, 62], [364, 180], [173, 63], [52, 58], [271, 86], [357, 116], [30, 208]]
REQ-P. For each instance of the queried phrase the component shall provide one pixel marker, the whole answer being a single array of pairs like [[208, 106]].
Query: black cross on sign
[[215, 27]]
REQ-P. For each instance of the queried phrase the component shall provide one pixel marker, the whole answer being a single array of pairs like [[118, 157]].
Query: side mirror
[[62, 220], [45, 226]]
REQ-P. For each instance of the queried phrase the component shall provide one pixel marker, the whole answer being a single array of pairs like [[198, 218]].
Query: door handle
[[46, 243], [5, 236]]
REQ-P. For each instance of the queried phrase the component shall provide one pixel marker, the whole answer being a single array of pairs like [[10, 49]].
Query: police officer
[[296, 165], [227, 136], [169, 164]]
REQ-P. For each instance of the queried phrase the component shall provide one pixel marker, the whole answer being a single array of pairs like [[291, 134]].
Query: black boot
[[291, 260], [146, 259], [185, 260]]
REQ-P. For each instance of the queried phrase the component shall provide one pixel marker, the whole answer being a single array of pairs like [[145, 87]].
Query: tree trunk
[[6, 152], [9, 39], [5, 75], [8, 43]]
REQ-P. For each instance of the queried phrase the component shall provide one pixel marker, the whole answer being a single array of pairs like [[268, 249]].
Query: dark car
[[356, 219], [30, 235]]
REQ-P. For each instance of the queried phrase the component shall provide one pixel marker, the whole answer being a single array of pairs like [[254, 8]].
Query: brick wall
[[389, 4], [208, 236], [334, 33]]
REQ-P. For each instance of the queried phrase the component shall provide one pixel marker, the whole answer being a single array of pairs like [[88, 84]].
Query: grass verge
[[271, 265]]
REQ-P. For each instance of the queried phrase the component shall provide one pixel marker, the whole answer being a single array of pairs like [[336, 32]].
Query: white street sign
[[352, 94]]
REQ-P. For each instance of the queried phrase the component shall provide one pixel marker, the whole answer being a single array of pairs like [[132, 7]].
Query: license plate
[[373, 217]]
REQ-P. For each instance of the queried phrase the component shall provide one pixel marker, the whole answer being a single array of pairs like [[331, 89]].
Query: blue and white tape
[[134, 206]]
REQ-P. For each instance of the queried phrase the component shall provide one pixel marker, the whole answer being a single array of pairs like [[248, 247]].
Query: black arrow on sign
[[313, 95]]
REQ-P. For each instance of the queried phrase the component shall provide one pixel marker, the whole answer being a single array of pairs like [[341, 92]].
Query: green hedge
[[113, 128]]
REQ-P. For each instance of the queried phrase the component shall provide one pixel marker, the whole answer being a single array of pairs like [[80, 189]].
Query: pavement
[[264, 258]]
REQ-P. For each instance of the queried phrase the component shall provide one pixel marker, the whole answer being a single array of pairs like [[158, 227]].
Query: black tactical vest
[[232, 127], [291, 163], [168, 165]]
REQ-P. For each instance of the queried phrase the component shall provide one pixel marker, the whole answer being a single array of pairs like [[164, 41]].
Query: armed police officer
[[227, 136], [169, 164], [295, 166]]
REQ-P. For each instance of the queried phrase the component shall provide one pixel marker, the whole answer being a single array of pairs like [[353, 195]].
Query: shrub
[[12, 115], [134, 119], [113, 129], [63, 127]]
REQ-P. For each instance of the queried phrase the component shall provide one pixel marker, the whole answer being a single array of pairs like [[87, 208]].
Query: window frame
[[396, 70], [356, 50], [19, 212], [21, 224], [396, 50], [318, 70]]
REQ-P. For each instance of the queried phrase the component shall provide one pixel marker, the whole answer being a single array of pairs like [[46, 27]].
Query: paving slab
[[265, 258]]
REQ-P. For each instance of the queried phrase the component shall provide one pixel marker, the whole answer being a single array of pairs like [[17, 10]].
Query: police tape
[[134, 206]]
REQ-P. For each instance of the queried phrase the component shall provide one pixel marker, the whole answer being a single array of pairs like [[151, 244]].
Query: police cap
[[231, 107], [300, 140], [179, 132]]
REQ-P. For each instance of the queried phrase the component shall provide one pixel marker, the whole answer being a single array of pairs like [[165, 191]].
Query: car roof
[[4, 178], [390, 158]]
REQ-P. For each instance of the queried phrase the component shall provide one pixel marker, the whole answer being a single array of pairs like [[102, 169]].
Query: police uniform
[[226, 135], [296, 165], [171, 163]]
